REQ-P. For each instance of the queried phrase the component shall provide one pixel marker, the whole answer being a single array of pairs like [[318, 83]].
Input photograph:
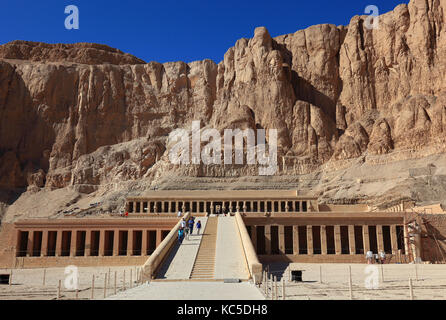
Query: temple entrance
[[218, 207]]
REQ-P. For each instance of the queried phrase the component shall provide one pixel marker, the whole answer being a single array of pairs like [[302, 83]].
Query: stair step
[[204, 264]]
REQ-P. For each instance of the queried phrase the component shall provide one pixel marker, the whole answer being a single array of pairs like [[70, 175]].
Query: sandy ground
[[391, 283], [369, 282], [27, 284]]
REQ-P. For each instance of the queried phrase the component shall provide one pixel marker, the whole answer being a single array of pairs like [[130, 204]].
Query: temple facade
[[283, 226]]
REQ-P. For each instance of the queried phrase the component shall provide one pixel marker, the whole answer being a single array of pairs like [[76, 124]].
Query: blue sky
[[170, 30]]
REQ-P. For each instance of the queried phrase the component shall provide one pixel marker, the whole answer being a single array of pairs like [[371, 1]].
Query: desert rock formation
[[86, 117]]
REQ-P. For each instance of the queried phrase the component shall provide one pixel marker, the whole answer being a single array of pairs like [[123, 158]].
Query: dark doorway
[[359, 243], [316, 232], [275, 240], [123, 238], [331, 247], [261, 248], [37, 243], [345, 243], [23, 243], [303, 248], [387, 240], [288, 230], [137, 243], [52, 240], [372, 239], [80, 243], [94, 247], [66, 243], [108, 245], [400, 239]]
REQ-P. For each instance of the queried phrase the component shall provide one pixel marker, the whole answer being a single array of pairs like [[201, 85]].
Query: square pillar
[[295, 240], [43, 252], [393, 239], [337, 234], [29, 245], [87, 252], [281, 239], [268, 239], [130, 242], [101, 243], [144, 243], [365, 237], [73, 243], [59, 243], [351, 239], [310, 239], [323, 240], [115, 242], [379, 232]]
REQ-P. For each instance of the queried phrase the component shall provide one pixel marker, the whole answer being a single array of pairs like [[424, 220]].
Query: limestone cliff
[[92, 119]]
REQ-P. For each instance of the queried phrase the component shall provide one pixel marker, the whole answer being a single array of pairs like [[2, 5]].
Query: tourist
[[191, 225], [376, 258], [369, 257], [382, 257], [126, 214], [179, 214], [180, 235], [183, 223], [198, 226]]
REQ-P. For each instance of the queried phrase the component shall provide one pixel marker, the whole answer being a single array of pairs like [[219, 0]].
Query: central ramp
[[204, 266], [230, 257]]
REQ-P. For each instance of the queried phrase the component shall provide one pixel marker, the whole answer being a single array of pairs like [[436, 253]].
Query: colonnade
[[78, 242], [327, 239], [210, 206]]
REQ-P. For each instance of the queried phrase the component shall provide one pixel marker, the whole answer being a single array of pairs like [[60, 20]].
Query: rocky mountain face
[[86, 116]]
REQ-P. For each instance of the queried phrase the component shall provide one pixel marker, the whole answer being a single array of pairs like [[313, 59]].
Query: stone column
[[130, 243], [323, 240], [87, 251], [351, 239], [268, 239], [281, 239], [212, 207], [102, 242], [29, 245], [365, 238], [59, 243], [148, 207], [310, 240], [116, 242], [258, 206], [244, 206], [286, 206], [254, 237], [337, 234], [295, 240], [169, 210], [144, 243], [73, 243], [393, 238], [379, 233], [43, 252]]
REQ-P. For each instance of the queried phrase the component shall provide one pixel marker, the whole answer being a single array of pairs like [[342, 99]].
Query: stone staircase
[[204, 265]]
